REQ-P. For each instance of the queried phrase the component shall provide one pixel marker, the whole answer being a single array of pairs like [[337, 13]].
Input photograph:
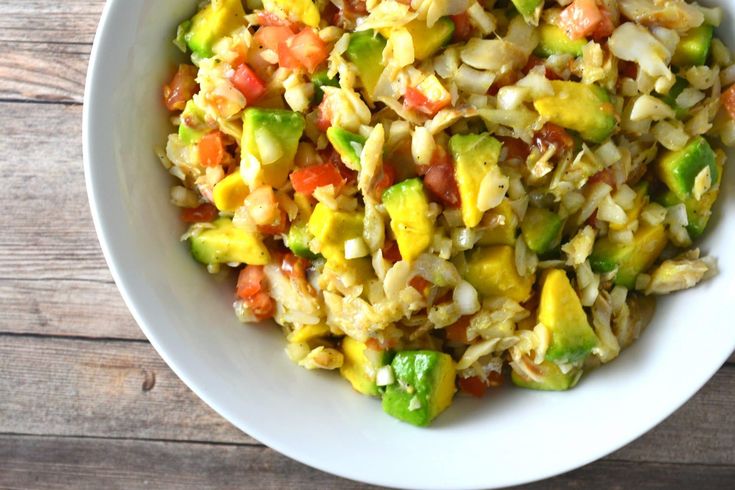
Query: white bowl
[[508, 438]]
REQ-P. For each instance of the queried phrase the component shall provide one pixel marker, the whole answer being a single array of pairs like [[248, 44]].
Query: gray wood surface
[[85, 402]]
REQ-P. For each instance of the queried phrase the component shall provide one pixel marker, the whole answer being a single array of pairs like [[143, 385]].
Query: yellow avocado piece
[[230, 192], [308, 333], [408, 208], [500, 234], [561, 312], [303, 11], [475, 155], [212, 23], [361, 365], [333, 228], [226, 243], [492, 271]]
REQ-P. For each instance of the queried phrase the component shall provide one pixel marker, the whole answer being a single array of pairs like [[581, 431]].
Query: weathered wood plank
[[48, 462], [99, 389], [49, 20], [106, 389], [50, 72]]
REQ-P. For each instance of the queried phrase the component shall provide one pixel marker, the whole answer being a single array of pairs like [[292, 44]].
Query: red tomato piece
[[551, 134], [203, 213], [262, 305], [515, 148], [294, 266], [627, 69], [473, 385], [277, 227], [308, 49], [441, 183], [246, 81], [211, 149], [417, 101], [324, 121], [271, 37], [391, 252], [181, 88], [306, 180], [420, 284], [580, 19], [457, 332], [462, 27], [606, 26], [728, 100], [607, 176], [251, 281]]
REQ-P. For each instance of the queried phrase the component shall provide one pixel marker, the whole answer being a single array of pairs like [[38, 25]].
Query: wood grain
[[50, 463], [68, 21]]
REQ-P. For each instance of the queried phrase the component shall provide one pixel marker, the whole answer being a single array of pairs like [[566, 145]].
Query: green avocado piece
[[561, 312], [428, 40], [348, 145], [192, 126], [365, 51], [553, 40], [408, 208], [361, 365], [212, 23], [474, 156], [527, 8], [423, 387], [298, 239], [321, 79], [541, 230], [675, 92], [492, 271], [679, 169], [226, 243], [694, 46], [630, 259], [280, 128], [548, 378], [585, 108]]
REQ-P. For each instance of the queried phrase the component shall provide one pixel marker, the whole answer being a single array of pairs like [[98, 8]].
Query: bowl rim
[[251, 427]]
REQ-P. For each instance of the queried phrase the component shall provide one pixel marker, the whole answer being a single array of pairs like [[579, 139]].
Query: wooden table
[[86, 402]]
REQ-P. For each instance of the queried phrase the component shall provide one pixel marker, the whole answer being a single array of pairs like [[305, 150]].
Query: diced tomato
[[417, 101], [580, 19], [211, 149], [473, 385], [494, 379], [306, 180], [246, 81], [286, 58], [203, 213], [462, 27], [278, 227], [324, 120], [262, 305], [551, 134], [355, 8], [627, 69], [606, 26], [728, 100], [181, 88], [251, 281], [387, 179], [420, 284], [271, 37], [308, 49], [391, 252], [457, 332], [439, 179], [294, 266], [515, 148], [607, 176], [330, 155]]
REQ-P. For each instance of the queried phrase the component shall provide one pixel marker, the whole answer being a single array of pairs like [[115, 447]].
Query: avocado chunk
[[492, 272], [585, 108], [348, 145], [298, 11], [561, 312], [528, 9], [674, 92], [212, 23], [408, 208], [365, 51], [361, 365], [428, 40], [679, 169], [541, 230], [630, 259], [424, 386], [553, 40], [192, 125], [270, 138], [226, 243], [332, 229], [503, 226], [547, 377], [694, 46], [297, 240], [321, 79], [474, 155], [230, 193]]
